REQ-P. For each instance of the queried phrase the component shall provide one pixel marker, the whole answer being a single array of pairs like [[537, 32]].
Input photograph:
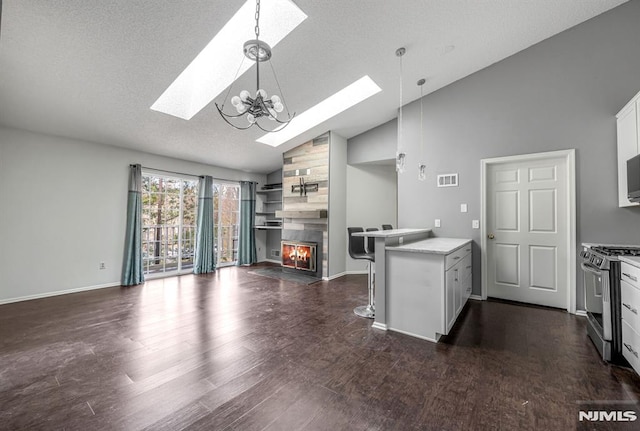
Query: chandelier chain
[[257, 29]]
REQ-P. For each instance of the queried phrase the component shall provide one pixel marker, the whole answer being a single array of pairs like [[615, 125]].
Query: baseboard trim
[[581, 313], [58, 293], [378, 325], [476, 297], [357, 272], [333, 277], [411, 334]]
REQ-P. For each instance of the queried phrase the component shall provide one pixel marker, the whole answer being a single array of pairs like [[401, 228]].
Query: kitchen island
[[428, 283], [384, 238]]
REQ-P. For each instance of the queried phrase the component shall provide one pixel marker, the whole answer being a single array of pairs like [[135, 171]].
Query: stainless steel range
[[601, 269]]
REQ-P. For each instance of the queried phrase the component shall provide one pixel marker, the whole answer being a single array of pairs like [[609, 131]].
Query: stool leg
[[368, 311]]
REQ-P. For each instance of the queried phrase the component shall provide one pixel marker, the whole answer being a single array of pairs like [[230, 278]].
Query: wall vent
[[448, 180], [275, 253]]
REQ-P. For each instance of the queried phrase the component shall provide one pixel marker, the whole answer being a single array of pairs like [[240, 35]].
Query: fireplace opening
[[299, 255]]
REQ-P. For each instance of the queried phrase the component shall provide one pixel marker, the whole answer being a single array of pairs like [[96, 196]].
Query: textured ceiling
[[90, 69]]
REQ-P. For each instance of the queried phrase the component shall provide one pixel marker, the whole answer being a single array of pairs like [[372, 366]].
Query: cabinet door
[[450, 309], [627, 128], [459, 288]]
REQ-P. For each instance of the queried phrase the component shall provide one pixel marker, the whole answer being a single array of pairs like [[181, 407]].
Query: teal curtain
[[247, 247], [205, 250], [132, 269]]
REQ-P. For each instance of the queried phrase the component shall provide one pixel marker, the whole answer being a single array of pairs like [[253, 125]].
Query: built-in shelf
[[269, 190], [302, 214], [265, 213], [273, 202], [268, 227]]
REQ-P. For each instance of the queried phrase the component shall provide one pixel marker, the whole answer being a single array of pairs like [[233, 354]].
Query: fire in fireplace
[[299, 255]]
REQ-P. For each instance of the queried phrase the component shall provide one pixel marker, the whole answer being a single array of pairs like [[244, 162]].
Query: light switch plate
[[463, 208], [436, 223], [475, 224]]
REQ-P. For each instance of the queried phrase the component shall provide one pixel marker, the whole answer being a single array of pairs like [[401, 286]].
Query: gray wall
[[561, 93], [63, 210], [337, 205], [374, 146], [372, 192]]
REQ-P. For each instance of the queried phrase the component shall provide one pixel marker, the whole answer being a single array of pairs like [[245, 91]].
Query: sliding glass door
[[169, 206], [168, 223]]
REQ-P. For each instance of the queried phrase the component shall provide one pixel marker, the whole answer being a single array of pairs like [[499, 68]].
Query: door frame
[[569, 156]]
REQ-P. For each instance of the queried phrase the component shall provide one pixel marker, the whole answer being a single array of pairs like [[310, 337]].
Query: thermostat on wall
[[448, 180]]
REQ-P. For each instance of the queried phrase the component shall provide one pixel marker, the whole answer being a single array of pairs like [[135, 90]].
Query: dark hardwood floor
[[237, 351]]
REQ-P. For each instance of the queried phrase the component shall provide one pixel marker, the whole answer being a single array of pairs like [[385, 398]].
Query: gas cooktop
[[616, 250]]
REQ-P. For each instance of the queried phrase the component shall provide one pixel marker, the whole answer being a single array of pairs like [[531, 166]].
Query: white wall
[[63, 208], [371, 201]]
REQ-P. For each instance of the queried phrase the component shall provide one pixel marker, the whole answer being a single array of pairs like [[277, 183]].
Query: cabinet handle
[[468, 266], [633, 310], [456, 274], [633, 352], [630, 276], [467, 249], [456, 257]]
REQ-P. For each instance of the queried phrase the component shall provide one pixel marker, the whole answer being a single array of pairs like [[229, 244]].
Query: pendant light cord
[[421, 125], [400, 53]]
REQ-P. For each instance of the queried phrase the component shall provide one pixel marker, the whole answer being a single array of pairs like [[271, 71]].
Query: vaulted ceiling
[[90, 69]]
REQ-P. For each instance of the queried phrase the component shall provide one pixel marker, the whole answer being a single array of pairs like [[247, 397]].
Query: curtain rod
[[190, 175]]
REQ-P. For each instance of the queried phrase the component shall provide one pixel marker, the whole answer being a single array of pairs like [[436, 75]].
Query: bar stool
[[357, 251], [387, 227]]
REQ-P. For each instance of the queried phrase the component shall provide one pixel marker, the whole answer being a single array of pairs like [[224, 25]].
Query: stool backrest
[[371, 242], [387, 227], [356, 243]]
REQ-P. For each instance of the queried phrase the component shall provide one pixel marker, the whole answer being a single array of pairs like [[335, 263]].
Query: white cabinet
[[426, 287], [458, 283], [628, 132], [630, 283]]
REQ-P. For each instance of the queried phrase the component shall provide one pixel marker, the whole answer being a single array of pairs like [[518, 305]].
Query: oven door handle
[[588, 268]]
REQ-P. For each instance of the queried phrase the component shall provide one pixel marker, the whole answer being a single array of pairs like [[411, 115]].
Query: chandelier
[[252, 110]]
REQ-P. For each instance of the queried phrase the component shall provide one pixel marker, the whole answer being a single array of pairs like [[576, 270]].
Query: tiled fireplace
[[299, 255], [302, 252]]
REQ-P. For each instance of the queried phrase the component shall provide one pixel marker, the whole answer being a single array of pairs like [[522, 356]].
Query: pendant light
[[251, 109], [400, 154], [422, 167]]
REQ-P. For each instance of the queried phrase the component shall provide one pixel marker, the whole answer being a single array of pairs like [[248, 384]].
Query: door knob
[[491, 236]]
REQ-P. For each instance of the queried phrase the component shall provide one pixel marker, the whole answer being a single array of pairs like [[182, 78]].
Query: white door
[[526, 226]]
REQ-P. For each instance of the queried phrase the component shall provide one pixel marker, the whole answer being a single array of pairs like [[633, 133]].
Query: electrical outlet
[[475, 224], [437, 223], [102, 265], [463, 208], [401, 240]]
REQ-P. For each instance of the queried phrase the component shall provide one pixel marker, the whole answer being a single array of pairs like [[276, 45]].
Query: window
[[168, 223], [226, 218]]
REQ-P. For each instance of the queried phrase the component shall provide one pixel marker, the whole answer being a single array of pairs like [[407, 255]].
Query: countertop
[[631, 260], [391, 233], [432, 245]]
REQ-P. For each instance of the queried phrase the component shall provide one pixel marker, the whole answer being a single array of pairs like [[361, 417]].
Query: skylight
[[214, 68], [344, 99]]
